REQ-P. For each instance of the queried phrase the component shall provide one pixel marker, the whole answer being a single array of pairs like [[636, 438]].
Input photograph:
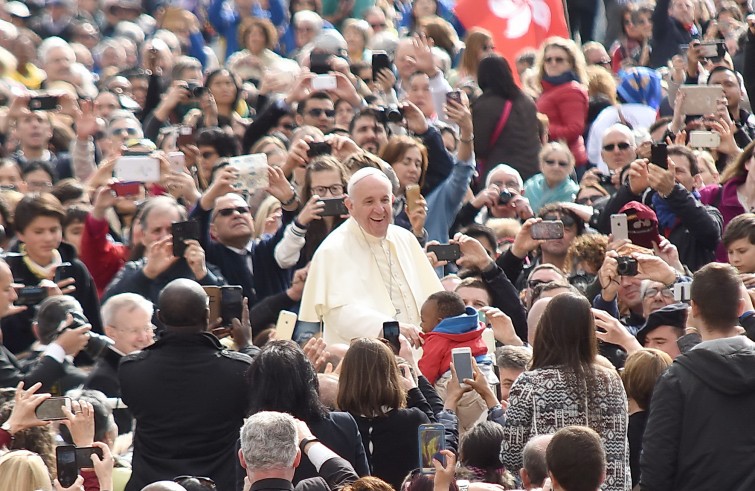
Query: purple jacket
[[726, 200]]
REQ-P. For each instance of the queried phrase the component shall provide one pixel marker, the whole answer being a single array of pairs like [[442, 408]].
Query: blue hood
[[466, 322]]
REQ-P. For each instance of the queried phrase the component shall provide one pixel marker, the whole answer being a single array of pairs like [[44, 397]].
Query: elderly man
[[368, 271], [613, 151], [501, 198], [184, 392]]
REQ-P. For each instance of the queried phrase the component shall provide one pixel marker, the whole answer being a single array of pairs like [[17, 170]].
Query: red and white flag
[[515, 24]]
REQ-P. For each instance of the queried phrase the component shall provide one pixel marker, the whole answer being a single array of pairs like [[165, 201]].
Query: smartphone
[[682, 292], [44, 103], [319, 148], [619, 227], [391, 333], [65, 461], [84, 456], [231, 303], [137, 168], [177, 162], [31, 295], [213, 295], [547, 230], [712, 49], [334, 207], [284, 328], [445, 252], [324, 82], [185, 135], [700, 99], [380, 61], [126, 188], [182, 231], [412, 195], [454, 95], [63, 271], [319, 63], [704, 139], [462, 359], [52, 409], [431, 439], [659, 155]]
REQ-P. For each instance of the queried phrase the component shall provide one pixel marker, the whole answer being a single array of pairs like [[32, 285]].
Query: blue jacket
[[445, 201]]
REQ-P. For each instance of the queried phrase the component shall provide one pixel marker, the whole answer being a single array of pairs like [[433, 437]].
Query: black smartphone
[[454, 95], [65, 461], [380, 61], [431, 439], [445, 252], [334, 207], [318, 63], [65, 270], [44, 103], [391, 333], [52, 409], [183, 231], [319, 148], [31, 295], [231, 303], [84, 456], [659, 155]]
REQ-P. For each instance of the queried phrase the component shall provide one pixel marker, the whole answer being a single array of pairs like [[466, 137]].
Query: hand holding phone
[[462, 360], [547, 230], [431, 442], [52, 409], [445, 252], [391, 332], [333, 207], [231, 304], [183, 231]]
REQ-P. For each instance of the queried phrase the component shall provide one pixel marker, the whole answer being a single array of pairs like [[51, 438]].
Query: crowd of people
[[267, 244]]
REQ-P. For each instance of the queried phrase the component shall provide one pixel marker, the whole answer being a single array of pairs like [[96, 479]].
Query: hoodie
[[460, 331]]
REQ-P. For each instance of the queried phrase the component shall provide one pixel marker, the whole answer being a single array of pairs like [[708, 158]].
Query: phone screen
[[391, 333], [65, 459], [431, 439], [547, 230], [84, 456], [62, 272], [231, 303], [463, 364], [380, 61], [334, 207], [52, 408]]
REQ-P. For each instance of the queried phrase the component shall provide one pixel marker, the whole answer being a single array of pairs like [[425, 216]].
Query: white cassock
[[357, 281]]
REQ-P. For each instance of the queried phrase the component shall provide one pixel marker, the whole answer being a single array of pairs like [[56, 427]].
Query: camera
[[505, 197], [581, 281], [627, 266], [97, 342], [196, 90], [391, 114]]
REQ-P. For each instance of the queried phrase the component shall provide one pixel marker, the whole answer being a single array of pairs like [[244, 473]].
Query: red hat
[[642, 224]]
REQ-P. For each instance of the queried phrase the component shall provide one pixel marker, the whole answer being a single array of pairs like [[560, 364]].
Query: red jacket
[[102, 257], [436, 351], [566, 108]]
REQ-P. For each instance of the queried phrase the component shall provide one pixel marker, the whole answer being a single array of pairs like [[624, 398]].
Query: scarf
[[564, 78], [41, 272], [667, 220]]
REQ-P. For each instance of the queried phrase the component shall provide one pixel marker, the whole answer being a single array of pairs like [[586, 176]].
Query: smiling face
[[556, 61], [41, 236], [370, 203]]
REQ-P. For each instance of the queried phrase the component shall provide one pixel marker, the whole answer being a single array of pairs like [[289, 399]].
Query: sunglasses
[[560, 163], [532, 284], [205, 482], [555, 59], [587, 200], [381, 25], [316, 113], [288, 126], [124, 131], [226, 212], [567, 220], [611, 146]]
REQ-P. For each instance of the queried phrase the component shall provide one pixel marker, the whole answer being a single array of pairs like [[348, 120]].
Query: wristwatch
[[306, 441], [6, 427]]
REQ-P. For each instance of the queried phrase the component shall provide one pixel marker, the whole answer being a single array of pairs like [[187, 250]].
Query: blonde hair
[[22, 470], [266, 208], [600, 81], [576, 58]]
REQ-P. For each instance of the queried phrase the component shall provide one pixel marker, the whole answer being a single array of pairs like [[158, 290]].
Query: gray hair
[[269, 441], [308, 17], [533, 459], [120, 114], [51, 43], [161, 203], [623, 129], [509, 170], [124, 301]]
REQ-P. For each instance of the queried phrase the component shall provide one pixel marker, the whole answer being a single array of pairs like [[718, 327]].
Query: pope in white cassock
[[368, 271]]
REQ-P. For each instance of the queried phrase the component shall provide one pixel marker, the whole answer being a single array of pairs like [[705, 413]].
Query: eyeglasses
[[205, 482], [124, 131], [587, 200], [507, 185], [665, 292], [622, 146], [560, 163], [150, 329], [555, 59], [567, 220], [288, 126], [316, 112], [532, 284], [226, 212], [334, 190]]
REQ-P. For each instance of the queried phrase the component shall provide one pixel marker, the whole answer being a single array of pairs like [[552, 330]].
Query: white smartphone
[[462, 358], [619, 227], [324, 82], [252, 171], [284, 329], [177, 162], [682, 291], [704, 139], [137, 168], [700, 99]]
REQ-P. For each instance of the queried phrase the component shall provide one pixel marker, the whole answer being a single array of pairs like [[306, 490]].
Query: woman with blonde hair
[[562, 76], [477, 44], [553, 184], [268, 218], [22, 470]]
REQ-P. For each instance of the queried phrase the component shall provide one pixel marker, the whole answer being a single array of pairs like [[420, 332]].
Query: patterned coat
[[545, 400]]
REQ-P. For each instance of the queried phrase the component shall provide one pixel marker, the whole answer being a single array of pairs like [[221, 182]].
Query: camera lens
[[505, 197], [394, 115]]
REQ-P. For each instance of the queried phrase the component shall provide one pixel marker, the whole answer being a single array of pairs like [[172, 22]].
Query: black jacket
[[17, 335], [48, 371], [187, 394], [668, 35], [104, 377], [700, 432], [334, 474]]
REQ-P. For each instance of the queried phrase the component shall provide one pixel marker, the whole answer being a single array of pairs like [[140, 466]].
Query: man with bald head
[[368, 271], [185, 394]]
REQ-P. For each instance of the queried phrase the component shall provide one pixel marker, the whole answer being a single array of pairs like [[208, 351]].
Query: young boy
[[446, 324], [739, 240]]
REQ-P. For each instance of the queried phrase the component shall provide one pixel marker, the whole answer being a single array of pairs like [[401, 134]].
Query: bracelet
[[471, 139], [293, 198], [299, 225]]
